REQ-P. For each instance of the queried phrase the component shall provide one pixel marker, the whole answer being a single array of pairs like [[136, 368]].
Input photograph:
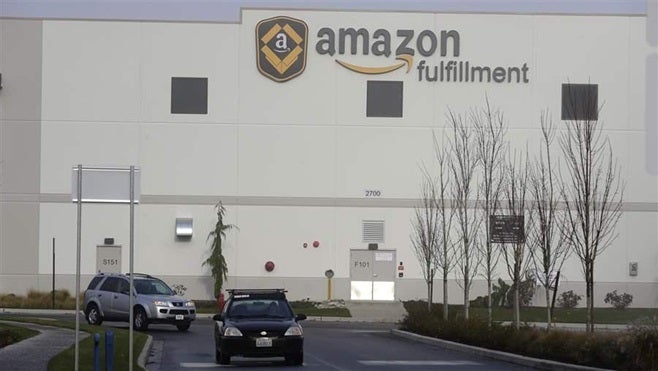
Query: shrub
[[420, 320], [568, 299], [642, 344], [40, 300], [499, 294], [618, 301], [479, 302], [502, 295], [526, 292], [608, 350], [180, 289]]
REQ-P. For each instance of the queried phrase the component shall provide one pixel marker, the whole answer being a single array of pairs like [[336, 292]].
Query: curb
[[38, 311], [146, 349], [537, 363]]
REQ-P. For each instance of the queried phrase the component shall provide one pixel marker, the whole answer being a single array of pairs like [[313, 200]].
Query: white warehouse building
[[310, 123]]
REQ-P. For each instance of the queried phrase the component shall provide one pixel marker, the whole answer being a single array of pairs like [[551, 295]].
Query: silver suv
[[107, 298]]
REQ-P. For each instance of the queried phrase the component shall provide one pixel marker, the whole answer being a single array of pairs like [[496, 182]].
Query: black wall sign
[[506, 229]]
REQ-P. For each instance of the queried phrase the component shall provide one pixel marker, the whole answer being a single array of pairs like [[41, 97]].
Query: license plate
[[263, 342], [179, 317]]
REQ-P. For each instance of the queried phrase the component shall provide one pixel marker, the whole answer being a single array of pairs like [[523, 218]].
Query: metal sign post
[[77, 268], [104, 185], [132, 254]]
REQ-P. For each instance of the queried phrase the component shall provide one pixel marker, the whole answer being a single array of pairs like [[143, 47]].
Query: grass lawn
[[576, 315], [13, 334], [65, 359]]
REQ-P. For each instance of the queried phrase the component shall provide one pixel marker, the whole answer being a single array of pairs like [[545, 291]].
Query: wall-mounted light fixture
[[184, 228], [632, 269]]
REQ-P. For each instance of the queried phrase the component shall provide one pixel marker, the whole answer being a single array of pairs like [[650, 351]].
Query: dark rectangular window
[[580, 102], [384, 99], [189, 95]]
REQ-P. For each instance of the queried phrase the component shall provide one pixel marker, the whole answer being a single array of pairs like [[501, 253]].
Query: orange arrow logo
[[407, 59]]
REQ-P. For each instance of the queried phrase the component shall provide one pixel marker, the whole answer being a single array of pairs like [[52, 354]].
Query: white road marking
[[324, 362], [199, 365], [419, 363]]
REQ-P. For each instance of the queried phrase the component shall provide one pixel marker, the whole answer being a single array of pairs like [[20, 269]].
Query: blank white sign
[[105, 184]]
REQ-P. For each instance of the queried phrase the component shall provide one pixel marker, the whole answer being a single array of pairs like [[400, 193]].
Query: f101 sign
[[506, 229]]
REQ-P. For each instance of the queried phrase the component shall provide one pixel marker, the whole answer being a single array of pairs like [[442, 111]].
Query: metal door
[[372, 274]]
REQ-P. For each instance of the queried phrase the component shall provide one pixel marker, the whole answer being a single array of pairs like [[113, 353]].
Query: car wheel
[[183, 326], [93, 315], [295, 359], [140, 322]]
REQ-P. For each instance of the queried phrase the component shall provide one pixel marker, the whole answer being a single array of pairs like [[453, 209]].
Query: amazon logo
[[281, 48], [403, 46]]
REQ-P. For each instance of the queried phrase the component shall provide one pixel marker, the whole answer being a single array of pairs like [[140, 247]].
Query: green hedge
[[635, 349]]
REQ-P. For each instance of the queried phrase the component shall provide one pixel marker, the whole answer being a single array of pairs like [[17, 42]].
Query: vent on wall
[[184, 227], [373, 231]]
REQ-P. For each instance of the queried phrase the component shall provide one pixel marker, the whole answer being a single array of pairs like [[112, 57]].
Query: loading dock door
[[372, 274]]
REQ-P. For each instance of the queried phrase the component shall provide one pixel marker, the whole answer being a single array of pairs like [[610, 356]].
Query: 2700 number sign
[[373, 193]]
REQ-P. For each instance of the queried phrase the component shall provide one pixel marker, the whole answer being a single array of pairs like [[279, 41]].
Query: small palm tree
[[216, 261]]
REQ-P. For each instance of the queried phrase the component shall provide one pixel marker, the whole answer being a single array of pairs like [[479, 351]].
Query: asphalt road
[[328, 346]]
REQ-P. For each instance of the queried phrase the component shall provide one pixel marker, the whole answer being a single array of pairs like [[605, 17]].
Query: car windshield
[[259, 308], [152, 287]]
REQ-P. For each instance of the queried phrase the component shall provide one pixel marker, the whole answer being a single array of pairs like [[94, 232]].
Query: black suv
[[258, 323], [107, 298]]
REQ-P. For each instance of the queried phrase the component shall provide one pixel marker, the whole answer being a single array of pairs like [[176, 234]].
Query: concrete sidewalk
[[35, 353]]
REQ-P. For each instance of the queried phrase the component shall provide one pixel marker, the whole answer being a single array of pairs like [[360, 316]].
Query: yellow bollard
[[329, 273]]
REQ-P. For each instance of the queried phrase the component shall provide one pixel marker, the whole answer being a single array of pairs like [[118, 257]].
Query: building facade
[[311, 127]]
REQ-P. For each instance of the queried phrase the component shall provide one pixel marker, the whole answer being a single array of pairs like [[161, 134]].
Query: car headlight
[[293, 331], [189, 303], [161, 303], [232, 331]]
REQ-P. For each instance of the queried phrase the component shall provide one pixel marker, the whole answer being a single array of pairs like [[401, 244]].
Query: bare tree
[[425, 232], [547, 245], [462, 167], [516, 259], [446, 212], [490, 138], [593, 191]]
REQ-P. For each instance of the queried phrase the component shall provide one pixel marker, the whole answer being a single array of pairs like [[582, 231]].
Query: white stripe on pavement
[[419, 363], [199, 365]]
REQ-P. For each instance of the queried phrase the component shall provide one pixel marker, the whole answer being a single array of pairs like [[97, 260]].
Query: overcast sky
[[229, 10]]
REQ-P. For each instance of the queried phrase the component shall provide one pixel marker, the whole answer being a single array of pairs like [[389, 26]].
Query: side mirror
[[300, 317], [218, 317]]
